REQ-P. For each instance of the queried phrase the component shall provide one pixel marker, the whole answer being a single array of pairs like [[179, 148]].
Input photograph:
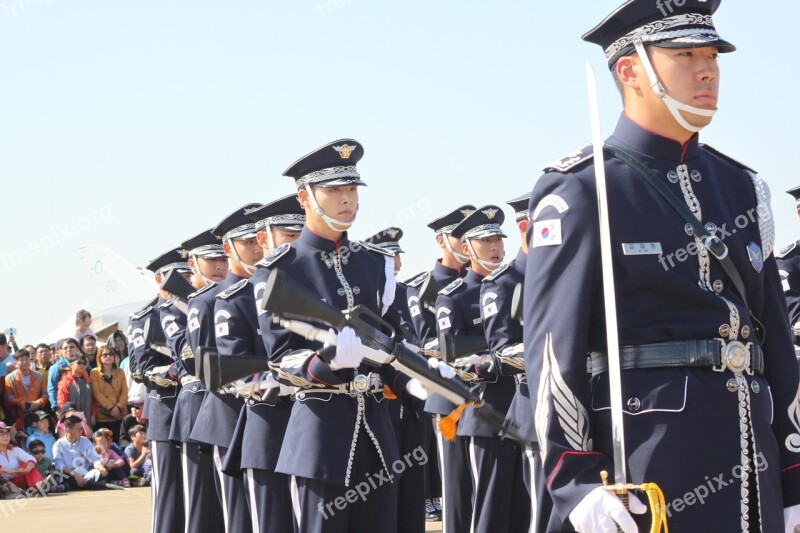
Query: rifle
[[456, 346], [516, 303], [428, 292], [216, 375], [293, 306]]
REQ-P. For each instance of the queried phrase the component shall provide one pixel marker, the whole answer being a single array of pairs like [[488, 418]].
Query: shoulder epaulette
[[233, 289], [274, 255], [728, 158], [570, 161], [496, 273], [786, 250], [455, 284], [168, 302], [200, 291], [372, 248], [417, 280], [142, 311]]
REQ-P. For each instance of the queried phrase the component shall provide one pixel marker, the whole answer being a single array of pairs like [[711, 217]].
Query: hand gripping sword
[[621, 485]]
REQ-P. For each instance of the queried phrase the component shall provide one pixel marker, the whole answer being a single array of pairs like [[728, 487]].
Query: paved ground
[[90, 511]]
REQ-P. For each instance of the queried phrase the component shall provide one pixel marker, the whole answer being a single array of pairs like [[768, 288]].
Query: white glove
[[415, 388], [472, 360], [444, 369], [791, 517], [602, 511], [349, 351], [269, 382]]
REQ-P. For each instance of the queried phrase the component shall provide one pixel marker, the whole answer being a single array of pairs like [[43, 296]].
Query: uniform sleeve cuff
[[320, 372]]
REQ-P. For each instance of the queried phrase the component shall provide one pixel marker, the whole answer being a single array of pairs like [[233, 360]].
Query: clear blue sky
[[136, 125]]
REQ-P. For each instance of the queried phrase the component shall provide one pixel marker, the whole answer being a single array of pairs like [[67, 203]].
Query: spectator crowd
[[70, 415]]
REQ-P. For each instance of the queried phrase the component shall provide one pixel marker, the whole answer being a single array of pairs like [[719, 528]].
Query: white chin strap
[[488, 265], [200, 270], [270, 240], [250, 269], [332, 223], [461, 258], [674, 106]]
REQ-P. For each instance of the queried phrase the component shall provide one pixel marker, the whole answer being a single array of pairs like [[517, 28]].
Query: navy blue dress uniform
[[504, 338], [788, 260], [451, 457], [261, 427], [411, 423], [161, 377], [202, 509], [219, 412], [340, 438], [722, 443], [494, 465]]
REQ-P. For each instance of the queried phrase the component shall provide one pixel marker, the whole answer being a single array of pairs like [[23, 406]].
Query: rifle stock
[[453, 347]]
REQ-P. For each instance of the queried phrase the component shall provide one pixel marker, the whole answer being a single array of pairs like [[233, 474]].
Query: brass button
[[634, 404], [745, 332], [732, 385], [689, 230], [696, 176], [724, 330], [672, 176], [718, 286], [711, 228], [755, 386]]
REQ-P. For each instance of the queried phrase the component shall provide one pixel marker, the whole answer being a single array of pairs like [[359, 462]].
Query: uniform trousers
[[456, 483], [166, 487], [270, 501], [501, 502], [232, 496], [203, 513]]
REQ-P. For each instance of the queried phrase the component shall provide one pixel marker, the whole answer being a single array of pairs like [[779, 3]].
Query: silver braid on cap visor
[[331, 222], [661, 30], [328, 174], [488, 265], [250, 269], [165, 270], [207, 250], [674, 106]]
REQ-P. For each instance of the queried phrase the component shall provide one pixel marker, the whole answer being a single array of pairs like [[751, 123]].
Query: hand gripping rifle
[[297, 309]]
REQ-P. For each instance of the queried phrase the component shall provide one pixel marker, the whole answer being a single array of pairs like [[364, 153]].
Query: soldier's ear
[[523, 226], [465, 249], [302, 197], [440, 239], [226, 247], [630, 73]]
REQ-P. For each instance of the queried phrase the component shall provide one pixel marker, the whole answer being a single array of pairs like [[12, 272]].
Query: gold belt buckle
[[736, 356]]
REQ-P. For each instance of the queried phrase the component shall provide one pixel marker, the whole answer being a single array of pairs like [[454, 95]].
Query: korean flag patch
[[547, 233], [221, 329], [444, 322]]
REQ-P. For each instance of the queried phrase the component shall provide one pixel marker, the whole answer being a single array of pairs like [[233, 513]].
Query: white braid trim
[[391, 284], [766, 222]]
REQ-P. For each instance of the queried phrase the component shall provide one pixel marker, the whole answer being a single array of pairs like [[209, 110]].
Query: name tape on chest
[[641, 248]]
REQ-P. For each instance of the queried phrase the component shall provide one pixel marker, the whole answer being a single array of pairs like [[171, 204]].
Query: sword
[[612, 337]]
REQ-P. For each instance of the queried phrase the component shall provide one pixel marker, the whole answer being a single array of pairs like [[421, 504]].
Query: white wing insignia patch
[[572, 415], [793, 440], [551, 200]]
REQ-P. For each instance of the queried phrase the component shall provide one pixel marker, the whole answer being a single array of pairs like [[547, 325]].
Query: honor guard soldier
[[447, 269], [209, 264], [789, 269], [160, 375], [709, 396], [504, 338], [494, 464], [219, 412], [340, 436], [410, 422], [262, 423]]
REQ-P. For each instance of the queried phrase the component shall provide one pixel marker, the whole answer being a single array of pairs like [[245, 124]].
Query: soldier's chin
[[698, 121]]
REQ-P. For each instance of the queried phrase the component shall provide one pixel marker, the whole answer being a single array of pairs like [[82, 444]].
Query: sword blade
[[614, 374]]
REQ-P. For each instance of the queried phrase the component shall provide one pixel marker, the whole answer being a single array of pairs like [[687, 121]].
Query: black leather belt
[[719, 354]]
